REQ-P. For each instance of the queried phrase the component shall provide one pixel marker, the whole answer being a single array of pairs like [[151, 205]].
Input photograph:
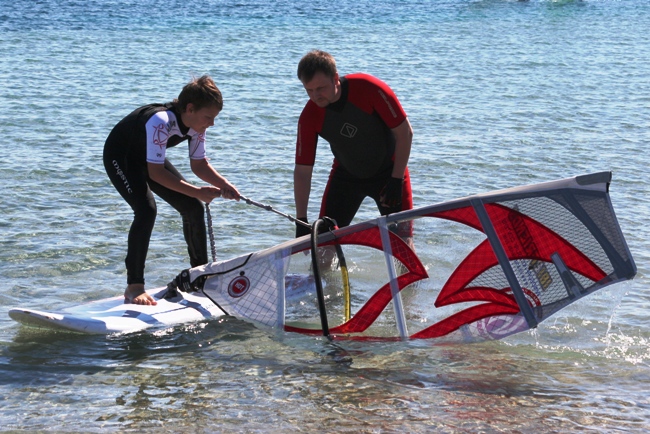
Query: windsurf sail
[[477, 268]]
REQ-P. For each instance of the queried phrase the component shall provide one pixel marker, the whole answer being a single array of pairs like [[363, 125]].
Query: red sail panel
[[371, 310], [481, 259], [522, 238], [459, 319], [526, 238], [481, 293]]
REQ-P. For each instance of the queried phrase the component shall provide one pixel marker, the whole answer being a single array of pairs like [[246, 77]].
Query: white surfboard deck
[[112, 315]]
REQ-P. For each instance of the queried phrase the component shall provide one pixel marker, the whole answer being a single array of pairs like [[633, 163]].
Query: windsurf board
[[112, 315]]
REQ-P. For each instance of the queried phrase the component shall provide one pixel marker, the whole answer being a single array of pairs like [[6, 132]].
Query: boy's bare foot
[[135, 294]]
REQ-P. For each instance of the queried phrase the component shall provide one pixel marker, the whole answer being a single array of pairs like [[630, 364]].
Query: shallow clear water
[[500, 93]]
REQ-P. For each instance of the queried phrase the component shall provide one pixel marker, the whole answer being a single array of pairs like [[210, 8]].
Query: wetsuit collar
[[340, 103], [181, 126]]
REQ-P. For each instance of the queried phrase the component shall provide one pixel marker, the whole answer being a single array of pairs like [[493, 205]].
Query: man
[[369, 135], [135, 161]]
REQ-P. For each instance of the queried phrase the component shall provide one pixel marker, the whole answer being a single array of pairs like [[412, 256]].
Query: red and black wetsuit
[[358, 128], [144, 136]]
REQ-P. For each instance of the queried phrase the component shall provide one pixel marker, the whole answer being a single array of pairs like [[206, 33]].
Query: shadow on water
[[523, 367], [230, 371], [43, 355]]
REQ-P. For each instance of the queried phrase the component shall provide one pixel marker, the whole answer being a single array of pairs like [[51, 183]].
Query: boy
[[135, 161]]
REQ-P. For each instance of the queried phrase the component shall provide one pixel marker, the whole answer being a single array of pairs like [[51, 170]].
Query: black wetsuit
[[143, 136]]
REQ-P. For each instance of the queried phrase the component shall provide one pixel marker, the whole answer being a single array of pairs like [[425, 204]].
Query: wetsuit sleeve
[[376, 96], [309, 125], [197, 147], [157, 136]]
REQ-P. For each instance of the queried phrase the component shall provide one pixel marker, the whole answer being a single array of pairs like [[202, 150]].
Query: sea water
[[499, 92]]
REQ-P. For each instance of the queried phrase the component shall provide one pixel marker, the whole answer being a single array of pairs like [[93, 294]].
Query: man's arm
[[391, 194], [403, 138], [302, 188]]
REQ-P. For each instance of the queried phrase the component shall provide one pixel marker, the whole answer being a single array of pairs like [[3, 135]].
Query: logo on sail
[[239, 286]]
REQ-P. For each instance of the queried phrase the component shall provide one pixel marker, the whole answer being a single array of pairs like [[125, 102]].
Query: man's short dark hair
[[316, 61]]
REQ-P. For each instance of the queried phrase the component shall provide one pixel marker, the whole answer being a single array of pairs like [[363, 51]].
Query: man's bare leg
[[135, 294]]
